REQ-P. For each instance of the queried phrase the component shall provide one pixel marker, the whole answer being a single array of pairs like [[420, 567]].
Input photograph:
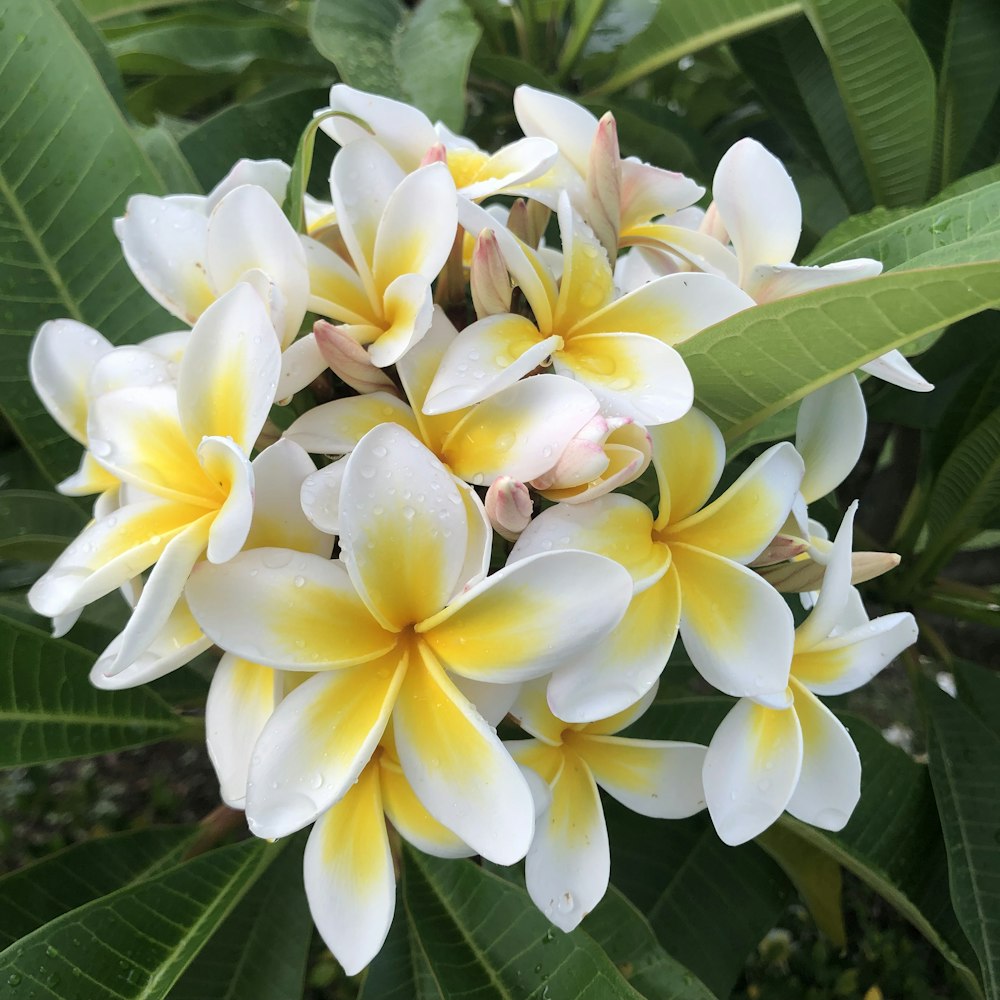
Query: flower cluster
[[335, 507]]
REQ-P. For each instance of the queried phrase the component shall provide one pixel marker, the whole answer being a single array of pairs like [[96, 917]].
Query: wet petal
[[648, 192], [317, 742], [532, 713], [570, 126], [830, 783], [335, 428], [751, 769], [829, 435], [458, 767], [319, 497], [335, 290], [689, 455], [659, 778], [227, 466], [736, 627], [349, 877], [408, 309]]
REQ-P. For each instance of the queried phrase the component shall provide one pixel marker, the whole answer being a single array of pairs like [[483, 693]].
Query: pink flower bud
[[604, 180], [488, 276], [436, 154], [508, 506], [584, 459], [350, 361]]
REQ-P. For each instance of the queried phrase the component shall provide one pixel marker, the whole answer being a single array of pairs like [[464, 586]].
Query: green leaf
[[90, 38], [816, 876], [47, 889], [67, 164], [421, 56], [760, 361], [50, 711], [101, 10], [965, 494], [628, 940], [682, 27], [979, 689], [260, 952], [965, 769], [165, 154], [36, 525], [899, 239], [136, 942], [968, 80], [887, 85], [475, 934]]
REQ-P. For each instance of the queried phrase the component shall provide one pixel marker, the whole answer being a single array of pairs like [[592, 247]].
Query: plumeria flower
[[520, 432], [568, 865], [185, 449], [409, 137], [758, 206], [398, 229], [765, 758], [383, 629], [689, 572], [620, 349], [187, 257]]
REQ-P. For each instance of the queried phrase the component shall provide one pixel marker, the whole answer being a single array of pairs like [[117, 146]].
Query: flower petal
[[519, 432], [300, 364], [829, 435], [516, 163], [632, 375], [271, 175], [89, 478], [317, 742], [335, 289], [741, 522], [349, 878], [562, 603], [240, 701], [616, 671], [335, 428], [758, 205], [458, 767], [404, 527], [164, 244], [853, 658], [411, 242], [278, 518], [751, 769], [689, 455], [415, 824], [286, 609], [570, 126], [770, 282], [587, 283], [895, 369], [569, 863], [616, 526], [487, 356], [830, 783], [659, 778], [736, 627], [226, 465], [227, 380], [532, 713], [319, 497], [409, 307], [648, 192], [63, 355]]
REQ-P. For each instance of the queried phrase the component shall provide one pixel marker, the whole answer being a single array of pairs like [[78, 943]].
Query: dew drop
[[367, 472], [409, 513], [379, 451], [300, 581]]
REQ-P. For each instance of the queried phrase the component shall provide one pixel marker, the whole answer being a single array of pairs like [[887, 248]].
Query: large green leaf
[[887, 85], [35, 525], [969, 82], [421, 56], [134, 943], [47, 889], [979, 688], [628, 940], [50, 711], [169, 162], [260, 952], [759, 361], [90, 38], [901, 239], [965, 493], [681, 27], [100, 10], [471, 933], [67, 164], [965, 769]]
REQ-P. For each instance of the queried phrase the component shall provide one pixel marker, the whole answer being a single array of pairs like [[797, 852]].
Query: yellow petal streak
[[631, 765], [407, 814], [689, 455], [354, 839], [712, 599], [587, 283], [573, 814], [466, 165], [820, 666], [771, 730], [602, 360]]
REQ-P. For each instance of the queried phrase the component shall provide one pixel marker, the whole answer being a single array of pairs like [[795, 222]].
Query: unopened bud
[[436, 154], [780, 549], [868, 565], [488, 276], [527, 221], [794, 577], [583, 460], [509, 507], [604, 180], [350, 361]]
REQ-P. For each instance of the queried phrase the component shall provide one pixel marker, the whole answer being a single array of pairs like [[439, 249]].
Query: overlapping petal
[[829, 435]]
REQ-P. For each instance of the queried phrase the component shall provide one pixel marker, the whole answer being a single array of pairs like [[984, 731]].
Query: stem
[[575, 41], [932, 635], [216, 826]]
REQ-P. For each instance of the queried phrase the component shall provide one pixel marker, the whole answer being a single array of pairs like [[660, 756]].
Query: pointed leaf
[[49, 711]]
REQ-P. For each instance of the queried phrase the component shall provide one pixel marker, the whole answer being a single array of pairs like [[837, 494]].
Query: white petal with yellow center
[[751, 769], [408, 307], [286, 609], [736, 627], [335, 428], [404, 527], [228, 467], [561, 602], [458, 767], [348, 875], [317, 742], [516, 163], [689, 455], [335, 289], [830, 783]]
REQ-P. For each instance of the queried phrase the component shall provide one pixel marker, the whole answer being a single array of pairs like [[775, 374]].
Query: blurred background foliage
[[887, 115]]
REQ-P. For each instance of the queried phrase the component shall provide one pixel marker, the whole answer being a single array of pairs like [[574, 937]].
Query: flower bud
[[780, 549], [604, 179], [488, 276], [436, 154], [508, 506], [583, 460], [350, 361]]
